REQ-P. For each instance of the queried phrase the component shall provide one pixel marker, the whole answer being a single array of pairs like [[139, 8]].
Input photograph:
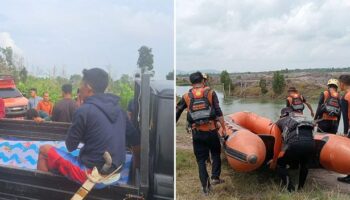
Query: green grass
[[262, 184]]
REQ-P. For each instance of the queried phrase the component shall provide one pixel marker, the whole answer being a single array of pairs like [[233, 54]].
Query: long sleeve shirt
[[344, 104]]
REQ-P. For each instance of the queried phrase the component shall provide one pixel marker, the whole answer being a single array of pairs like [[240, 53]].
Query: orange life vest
[[331, 105], [296, 102], [200, 111]]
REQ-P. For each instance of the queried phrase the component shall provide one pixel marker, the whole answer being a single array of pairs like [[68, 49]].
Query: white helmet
[[333, 81], [205, 76]]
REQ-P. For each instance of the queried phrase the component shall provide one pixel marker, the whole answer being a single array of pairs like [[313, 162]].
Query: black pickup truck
[[153, 180]]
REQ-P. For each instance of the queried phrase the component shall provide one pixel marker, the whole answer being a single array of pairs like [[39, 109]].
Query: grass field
[[261, 184]]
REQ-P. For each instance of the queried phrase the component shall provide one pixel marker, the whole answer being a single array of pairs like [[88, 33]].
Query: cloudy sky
[[87, 33], [259, 35]]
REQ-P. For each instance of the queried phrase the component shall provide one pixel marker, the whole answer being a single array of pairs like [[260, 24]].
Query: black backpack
[[200, 110], [291, 132], [331, 105]]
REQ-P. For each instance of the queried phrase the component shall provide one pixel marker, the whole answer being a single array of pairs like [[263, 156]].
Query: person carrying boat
[[296, 101], [298, 146], [328, 109], [345, 109], [100, 124], [203, 110]]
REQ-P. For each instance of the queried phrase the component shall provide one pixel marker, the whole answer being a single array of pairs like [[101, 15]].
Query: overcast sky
[[77, 34], [260, 35]]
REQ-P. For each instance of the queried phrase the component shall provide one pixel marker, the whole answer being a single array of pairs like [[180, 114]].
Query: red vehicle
[[16, 105]]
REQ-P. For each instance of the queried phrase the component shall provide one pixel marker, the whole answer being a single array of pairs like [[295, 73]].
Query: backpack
[[331, 104], [296, 102], [291, 131], [199, 106]]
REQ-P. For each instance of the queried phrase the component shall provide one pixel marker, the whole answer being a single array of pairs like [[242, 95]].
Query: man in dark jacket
[[298, 146], [100, 124]]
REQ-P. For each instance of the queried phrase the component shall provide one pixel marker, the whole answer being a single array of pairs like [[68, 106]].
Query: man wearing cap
[[296, 101]]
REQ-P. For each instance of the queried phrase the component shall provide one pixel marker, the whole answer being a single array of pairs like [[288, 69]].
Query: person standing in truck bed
[[65, 108]]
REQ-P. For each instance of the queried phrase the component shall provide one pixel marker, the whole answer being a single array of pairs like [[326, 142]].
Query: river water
[[264, 107]]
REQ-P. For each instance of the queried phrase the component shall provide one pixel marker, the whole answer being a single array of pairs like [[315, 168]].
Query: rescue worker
[[298, 146], [296, 101], [345, 109], [203, 110], [328, 109]]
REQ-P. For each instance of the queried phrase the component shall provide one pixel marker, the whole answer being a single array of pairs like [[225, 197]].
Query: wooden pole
[[223, 88], [229, 89]]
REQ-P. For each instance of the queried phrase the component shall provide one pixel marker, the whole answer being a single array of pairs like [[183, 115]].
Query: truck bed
[[19, 183]]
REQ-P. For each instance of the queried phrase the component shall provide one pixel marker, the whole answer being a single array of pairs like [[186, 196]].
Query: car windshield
[[9, 93]]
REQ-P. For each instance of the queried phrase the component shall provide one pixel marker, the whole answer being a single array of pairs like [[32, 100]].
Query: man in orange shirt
[[45, 105]]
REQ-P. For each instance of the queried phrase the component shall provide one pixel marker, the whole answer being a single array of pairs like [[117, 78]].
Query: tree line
[[278, 83], [123, 87]]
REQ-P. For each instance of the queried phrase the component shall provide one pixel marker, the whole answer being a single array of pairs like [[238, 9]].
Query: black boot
[[206, 189], [345, 179], [216, 181]]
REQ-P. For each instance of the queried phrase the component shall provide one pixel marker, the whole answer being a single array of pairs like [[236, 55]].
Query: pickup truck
[[16, 105], [153, 180]]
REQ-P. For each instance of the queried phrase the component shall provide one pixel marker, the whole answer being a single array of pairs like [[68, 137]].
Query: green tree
[[75, 79], [145, 60], [263, 86], [278, 82], [8, 55], [226, 80], [170, 76]]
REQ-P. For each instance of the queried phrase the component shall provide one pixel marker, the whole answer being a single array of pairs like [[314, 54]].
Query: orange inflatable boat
[[254, 140]]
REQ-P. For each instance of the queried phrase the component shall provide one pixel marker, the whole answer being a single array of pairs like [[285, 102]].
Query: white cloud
[[82, 34], [262, 35], [7, 41]]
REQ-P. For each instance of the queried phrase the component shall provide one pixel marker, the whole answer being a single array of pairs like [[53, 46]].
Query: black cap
[[285, 111], [196, 77]]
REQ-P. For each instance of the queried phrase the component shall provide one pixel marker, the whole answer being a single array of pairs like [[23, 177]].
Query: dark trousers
[[328, 126], [299, 154], [203, 144]]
